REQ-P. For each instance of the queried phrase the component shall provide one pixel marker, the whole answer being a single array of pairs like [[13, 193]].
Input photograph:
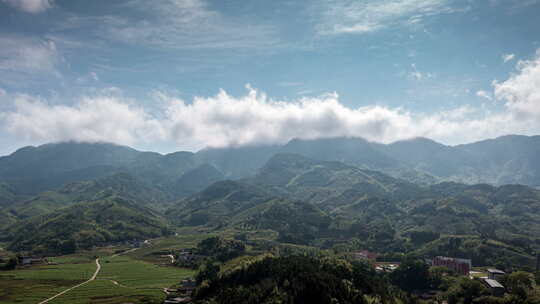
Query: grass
[[158, 247], [38, 283], [104, 291], [122, 279], [139, 274]]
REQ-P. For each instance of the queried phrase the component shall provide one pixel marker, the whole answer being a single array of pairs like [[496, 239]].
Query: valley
[[148, 221]]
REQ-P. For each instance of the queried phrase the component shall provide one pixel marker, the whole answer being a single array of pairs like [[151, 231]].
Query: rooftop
[[493, 283]]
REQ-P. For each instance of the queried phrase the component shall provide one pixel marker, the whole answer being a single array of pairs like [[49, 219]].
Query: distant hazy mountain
[[238, 162], [324, 182], [196, 180], [504, 160], [32, 170]]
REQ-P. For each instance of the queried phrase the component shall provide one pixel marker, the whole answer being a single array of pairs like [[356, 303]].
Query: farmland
[[121, 278]]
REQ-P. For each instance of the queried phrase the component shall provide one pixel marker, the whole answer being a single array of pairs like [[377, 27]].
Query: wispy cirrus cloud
[[30, 6], [358, 17], [23, 54], [25, 59], [174, 24], [508, 57]]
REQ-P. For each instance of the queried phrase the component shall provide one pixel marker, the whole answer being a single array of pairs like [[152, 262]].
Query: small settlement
[[458, 265]]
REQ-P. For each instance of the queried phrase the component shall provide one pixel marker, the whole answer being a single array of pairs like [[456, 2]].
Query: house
[[386, 267], [461, 266], [495, 287], [27, 260], [495, 274]]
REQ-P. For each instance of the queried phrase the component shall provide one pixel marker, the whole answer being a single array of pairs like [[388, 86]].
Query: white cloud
[[508, 57], [225, 120], [350, 16], [92, 119], [484, 94], [522, 90], [30, 6]]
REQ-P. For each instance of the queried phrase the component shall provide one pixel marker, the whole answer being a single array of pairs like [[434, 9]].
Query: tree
[[11, 264], [209, 272], [411, 275], [437, 274], [520, 283], [465, 291], [421, 237], [68, 246]]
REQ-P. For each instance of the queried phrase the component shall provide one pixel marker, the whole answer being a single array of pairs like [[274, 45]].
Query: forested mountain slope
[[324, 203], [86, 224]]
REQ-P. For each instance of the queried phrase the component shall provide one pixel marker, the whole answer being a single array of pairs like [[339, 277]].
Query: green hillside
[[87, 224], [323, 203], [334, 205], [7, 195], [327, 184], [217, 204], [120, 184]]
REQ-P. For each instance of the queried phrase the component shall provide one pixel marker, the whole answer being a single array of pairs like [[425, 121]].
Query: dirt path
[[124, 252], [98, 268]]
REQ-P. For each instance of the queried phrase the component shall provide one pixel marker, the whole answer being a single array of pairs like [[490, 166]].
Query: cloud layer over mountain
[[225, 120]]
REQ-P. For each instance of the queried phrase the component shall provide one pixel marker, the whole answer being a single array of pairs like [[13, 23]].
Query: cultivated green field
[[38, 283], [139, 274], [122, 279]]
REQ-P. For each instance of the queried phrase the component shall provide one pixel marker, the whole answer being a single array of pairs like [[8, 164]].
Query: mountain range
[[476, 201], [504, 160]]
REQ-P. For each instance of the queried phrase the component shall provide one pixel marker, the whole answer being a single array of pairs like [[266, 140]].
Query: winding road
[[98, 268]]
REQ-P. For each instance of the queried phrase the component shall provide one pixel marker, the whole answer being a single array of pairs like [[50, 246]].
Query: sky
[[174, 75]]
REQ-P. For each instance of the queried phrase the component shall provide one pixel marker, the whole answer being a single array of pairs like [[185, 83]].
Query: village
[[489, 276], [189, 258]]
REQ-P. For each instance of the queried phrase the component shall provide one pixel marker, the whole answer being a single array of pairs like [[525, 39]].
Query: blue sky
[[184, 74]]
